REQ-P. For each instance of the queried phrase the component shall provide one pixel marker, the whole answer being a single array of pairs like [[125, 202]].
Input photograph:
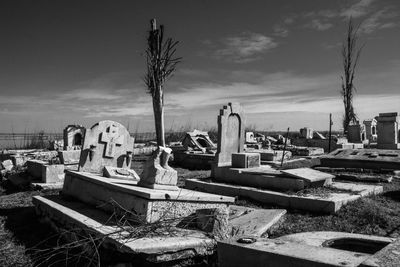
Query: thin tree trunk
[[158, 109]]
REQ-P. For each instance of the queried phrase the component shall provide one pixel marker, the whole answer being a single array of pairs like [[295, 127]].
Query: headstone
[[356, 133], [107, 143], [388, 131], [156, 172], [317, 135], [306, 133], [231, 123], [73, 137], [370, 130]]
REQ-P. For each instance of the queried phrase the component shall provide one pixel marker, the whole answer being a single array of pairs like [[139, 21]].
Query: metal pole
[[330, 132], [284, 147]]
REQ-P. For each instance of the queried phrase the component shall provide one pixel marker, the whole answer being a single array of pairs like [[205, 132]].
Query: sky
[[79, 62]]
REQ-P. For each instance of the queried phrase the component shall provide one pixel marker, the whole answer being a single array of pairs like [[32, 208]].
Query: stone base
[[314, 203], [193, 160], [388, 146], [67, 215], [262, 177], [302, 250], [158, 186], [148, 204]]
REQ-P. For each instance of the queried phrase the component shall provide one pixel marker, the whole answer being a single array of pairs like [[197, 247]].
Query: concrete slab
[[53, 173], [389, 256], [322, 238], [35, 167], [362, 158], [310, 176], [330, 203], [258, 177], [62, 214], [149, 204], [279, 253], [69, 156], [253, 222]]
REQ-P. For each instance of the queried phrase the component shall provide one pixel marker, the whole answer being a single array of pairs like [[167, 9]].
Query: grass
[[20, 229]]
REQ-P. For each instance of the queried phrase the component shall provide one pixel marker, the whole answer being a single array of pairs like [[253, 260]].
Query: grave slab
[[325, 204], [66, 215], [253, 222], [362, 158], [310, 176], [256, 178], [389, 256], [148, 204], [278, 253]]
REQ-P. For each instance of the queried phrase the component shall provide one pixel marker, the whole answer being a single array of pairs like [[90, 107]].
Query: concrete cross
[[112, 139]]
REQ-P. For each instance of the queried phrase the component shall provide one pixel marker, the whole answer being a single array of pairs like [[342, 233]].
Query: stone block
[[214, 221], [35, 167], [149, 205], [253, 222], [245, 160], [52, 173], [157, 174], [7, 165], [310, 176], [69, 156], [18, 160], [274, 155]]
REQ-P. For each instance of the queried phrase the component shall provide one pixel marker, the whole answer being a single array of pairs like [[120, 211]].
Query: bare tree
[[350, 55], [161, 63]]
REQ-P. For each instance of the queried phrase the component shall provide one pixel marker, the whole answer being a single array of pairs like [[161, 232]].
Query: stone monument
[[356, 133], [388, 131], [231, 123], [157, 174], [107, 143], [306, 133], [370, 130], [73, 136]]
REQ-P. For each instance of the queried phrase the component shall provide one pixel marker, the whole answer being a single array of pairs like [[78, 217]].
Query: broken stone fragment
[[214, 221], [157, 174]]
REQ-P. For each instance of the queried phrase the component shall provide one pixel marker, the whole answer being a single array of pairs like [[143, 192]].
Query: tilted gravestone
[[107, 143], [231, 123]]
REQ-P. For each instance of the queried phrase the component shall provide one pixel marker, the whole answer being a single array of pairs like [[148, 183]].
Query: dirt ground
[[21, 232]]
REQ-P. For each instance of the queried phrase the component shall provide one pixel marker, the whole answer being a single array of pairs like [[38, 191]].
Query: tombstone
[[107, 143], [356, 133], [388, 131], [231, 123], [306, 133], [370, 130], [73, 137], [250, 138], [198, 140]]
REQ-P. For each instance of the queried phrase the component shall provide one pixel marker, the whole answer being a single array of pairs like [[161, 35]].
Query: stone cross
[[112, 139]]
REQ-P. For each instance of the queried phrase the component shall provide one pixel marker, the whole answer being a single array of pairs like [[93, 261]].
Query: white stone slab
[[308, 174]]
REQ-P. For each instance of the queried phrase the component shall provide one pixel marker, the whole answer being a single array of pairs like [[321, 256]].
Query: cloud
[[378, 20], [319, 25], [249, 46], [280, 30], [359, 9]]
